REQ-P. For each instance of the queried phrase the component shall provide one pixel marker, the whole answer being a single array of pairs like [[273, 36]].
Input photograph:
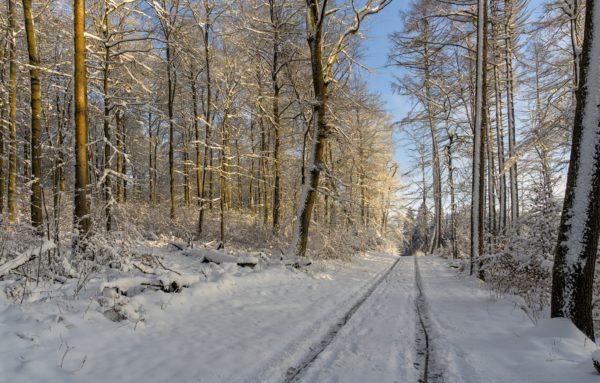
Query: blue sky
[[376, 50]]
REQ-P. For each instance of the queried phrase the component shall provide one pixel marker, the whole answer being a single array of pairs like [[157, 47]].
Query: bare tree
[[322, 70]]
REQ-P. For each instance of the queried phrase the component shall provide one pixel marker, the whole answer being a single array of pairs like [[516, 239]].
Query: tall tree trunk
[[252, 175], [491, 186], [107, 136], [240, 190], [155, 166], [120, 155], [478, 190], [226, 159], [197, 138], [13, 216], [57, 171], [222, 185], [575, 48], [3, 126], [150, 170], [186, 168], [37, 218], [577, 247], [207, 124], [81, 217], [510, 106], [170, 107], [449, 154], [123, 169], [275, 25], [437, 174], [502, 200], [263, 167], [321, 130], [424, 223], [541, 145]]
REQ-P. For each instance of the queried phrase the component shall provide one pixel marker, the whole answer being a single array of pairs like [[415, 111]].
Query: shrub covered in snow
[[522, 262]]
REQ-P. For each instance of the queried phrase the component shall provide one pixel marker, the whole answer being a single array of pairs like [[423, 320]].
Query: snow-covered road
[[472, 336], [377, 344], [337, 322]]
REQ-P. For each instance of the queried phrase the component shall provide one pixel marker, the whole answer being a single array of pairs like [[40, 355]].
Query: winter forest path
[[379, 318], [377, 343], [425, 323]]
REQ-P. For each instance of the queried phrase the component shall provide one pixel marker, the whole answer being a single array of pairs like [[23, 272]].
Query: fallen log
[[28, 255], [219, 257]]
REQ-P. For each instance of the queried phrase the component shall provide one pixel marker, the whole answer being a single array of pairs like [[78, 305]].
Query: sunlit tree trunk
[[3, 126], [81, 217], [123, 169], [106, 125], [320, 130], [223, 185], [12, 116], [275, 25], [119, 155], [150, 169], [37, 218], [171, 111], [206, 170], [197, 138], [186, 168]]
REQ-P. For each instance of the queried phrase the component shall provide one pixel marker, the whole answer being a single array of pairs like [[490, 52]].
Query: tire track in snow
[[295, 373], [430, 372]]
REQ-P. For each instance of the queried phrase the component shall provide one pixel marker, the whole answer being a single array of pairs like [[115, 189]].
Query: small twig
[[176, 246], [141, 269], [62, 360], [165, 267]]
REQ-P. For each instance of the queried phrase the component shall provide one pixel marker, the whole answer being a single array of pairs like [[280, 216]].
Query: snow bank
[[483, 338]]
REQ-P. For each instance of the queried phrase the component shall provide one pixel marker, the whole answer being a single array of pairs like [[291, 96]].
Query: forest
[[173, 166]]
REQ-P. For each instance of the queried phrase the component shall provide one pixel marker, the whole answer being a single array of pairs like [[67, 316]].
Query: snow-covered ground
[[259, 325], [481, 338], [243, 326], [378, 343]]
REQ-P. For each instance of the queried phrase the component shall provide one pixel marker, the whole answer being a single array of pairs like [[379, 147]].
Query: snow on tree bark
[[576, 251]]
